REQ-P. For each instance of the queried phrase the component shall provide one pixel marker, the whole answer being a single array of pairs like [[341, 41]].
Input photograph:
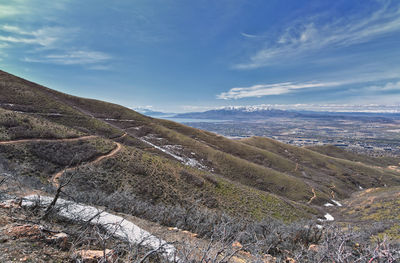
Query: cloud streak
[[46, 37], [270, 89], [261, 90], [311, 35], [52, 47], [73, 58], [9, 11]]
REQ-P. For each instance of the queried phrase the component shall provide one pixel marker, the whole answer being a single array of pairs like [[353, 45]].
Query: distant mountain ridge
[[259, 112], [239, 113]]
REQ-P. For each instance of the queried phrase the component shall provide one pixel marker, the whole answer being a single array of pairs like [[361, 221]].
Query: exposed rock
[[189, 233], [29, 231], [60, 239], [94, 256], [237, 245], [313, 247], [9, 204], [269, 259]]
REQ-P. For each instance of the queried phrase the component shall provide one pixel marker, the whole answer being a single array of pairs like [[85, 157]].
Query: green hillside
[[166, 162], [341, 175]]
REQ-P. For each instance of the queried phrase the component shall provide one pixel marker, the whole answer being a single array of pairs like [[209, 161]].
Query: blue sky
[[179, 55]]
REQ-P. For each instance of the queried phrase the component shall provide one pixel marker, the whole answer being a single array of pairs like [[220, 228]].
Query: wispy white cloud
[[53, 49], [25, 8], [248, 35], [310, 35], [45, 37], [8, 11], [270, 89], [14, 29], [72, 58], [388, 82]]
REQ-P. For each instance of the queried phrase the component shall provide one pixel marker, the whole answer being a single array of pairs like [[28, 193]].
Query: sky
[[179, 55]]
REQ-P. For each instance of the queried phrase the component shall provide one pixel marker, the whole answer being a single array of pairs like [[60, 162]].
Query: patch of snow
[[194, 163], [328, 204], [336, 202], [360, 187], [329, 217], [173, 147], [116, 225], [187, 161], [163, 150], [318, 226], [110, 119]]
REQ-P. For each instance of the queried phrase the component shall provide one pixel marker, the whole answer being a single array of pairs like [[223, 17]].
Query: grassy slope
[[372, 206], [21, 126], [256, 166], [337, 152], [21, 95], [242, 165], [161, 180], [140, 173], [232, 167], [342, 176]]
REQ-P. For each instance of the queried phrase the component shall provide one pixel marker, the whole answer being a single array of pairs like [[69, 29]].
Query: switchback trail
[[56, 177], [332, 192], [313, 197]]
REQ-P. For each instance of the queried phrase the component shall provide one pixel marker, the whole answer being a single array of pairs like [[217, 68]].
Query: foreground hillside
[[107, 155], [267, 167], [288, 175]]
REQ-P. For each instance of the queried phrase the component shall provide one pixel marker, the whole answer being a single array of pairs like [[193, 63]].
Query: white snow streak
[[336, 202], [187, 161], [329, 217], [116, 225]]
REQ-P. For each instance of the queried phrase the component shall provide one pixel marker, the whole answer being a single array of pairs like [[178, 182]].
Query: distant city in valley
[[372, 130]]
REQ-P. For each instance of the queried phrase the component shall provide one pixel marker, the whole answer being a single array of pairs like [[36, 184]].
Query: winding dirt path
[[332, 192], [48, 140], [123, 135], [55, 179], [313, 197]]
